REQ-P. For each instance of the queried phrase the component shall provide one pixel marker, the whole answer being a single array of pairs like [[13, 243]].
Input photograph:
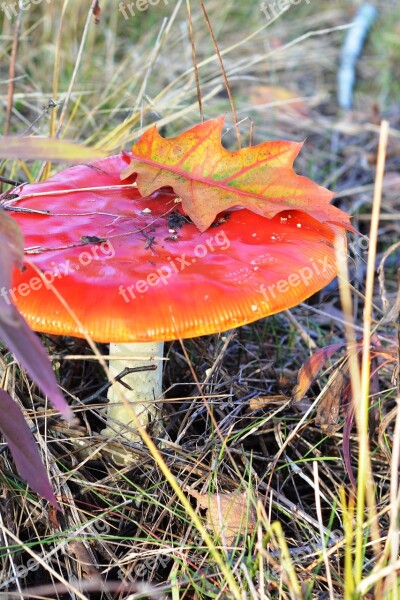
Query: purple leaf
[[23, 448], [6, 313], [28, 350], [11, 250], [12, 235], [14, 331]]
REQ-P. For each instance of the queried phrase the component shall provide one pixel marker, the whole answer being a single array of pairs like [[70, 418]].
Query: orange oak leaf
[[210, 179]]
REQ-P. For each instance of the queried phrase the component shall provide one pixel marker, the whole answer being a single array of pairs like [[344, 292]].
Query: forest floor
[[123, 532]]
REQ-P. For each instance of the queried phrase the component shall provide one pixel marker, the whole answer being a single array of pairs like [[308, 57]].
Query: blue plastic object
[[351, 51]]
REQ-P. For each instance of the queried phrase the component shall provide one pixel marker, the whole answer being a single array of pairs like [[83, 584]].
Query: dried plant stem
[[221, 64], [321, 529], [11, 71], [365, 483], [46, 167], [194, 57], [360, 382], [394, 535], [76, 68]]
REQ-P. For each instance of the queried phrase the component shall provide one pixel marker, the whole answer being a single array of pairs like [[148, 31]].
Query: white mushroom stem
[[146, 388]]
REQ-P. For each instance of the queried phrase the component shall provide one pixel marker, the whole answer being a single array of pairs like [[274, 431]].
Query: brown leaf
[[96, 11], [53, 518], [228, 515], [286, 100], [261, 402], [78, 549], [311, 368], [328, 409]]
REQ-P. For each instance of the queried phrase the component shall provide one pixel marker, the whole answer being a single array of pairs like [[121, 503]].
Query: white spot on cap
[[146, 211], [254, 307], [298, 225], [107, 271]]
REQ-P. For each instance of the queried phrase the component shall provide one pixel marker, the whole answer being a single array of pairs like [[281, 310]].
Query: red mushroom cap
[[134, 269]]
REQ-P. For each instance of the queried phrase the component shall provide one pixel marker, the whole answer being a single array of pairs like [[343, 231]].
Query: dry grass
[[296, 462]]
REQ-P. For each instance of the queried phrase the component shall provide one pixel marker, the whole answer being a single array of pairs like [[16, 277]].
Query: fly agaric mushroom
[[136, 272]]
